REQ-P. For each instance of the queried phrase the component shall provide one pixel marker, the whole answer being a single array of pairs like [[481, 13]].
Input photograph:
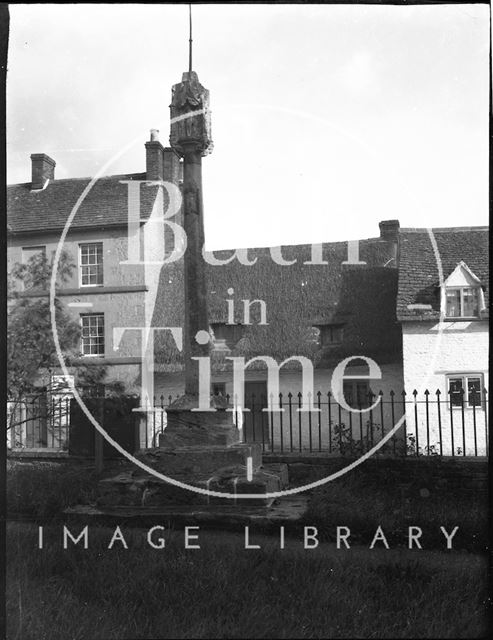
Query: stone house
[[110, 286], [442, 305]]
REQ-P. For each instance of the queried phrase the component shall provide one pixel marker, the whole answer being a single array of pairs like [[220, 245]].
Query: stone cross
[[190, 137]]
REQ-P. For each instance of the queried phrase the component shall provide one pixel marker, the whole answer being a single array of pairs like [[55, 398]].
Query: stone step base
[[188, 426], [199, 459], [234, 482], [134, 488], [284, 511]]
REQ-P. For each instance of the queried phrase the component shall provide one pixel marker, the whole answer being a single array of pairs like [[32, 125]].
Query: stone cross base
[[233, 469], [200, 449], [134, 490], [199, 428], [186, 426]]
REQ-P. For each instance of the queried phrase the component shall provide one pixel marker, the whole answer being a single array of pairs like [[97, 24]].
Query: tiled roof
[[419, 282], [106, 204], [298, 297]]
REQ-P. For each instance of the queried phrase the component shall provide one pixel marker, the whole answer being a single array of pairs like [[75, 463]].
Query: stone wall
[[123, 298], [450, 474]]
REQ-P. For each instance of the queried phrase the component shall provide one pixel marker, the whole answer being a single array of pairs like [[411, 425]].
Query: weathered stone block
[[159, 493], [279, 469], [190, 461], [128, 489], [194, 428], [122, 489], [234, 481]]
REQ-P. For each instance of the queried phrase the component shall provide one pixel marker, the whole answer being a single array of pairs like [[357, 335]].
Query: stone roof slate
[[419, 281], [47, 210], [298, 298]]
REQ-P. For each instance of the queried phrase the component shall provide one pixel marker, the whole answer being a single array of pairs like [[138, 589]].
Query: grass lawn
[[357, 500], [225, 591], [362, 503]]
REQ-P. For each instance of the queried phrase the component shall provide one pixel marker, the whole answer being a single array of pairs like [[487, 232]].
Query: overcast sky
[[326, 119]]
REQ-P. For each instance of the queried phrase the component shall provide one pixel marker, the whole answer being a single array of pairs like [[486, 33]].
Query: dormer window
[[330, 334], [463, 295], [226, 336], [462, 302]]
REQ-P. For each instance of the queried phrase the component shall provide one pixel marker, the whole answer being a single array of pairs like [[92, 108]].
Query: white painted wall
[[430, 352], [290, 381]]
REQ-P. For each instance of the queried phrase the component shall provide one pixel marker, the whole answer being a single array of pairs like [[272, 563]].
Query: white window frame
[[465, 377], [461, 290], [81, 266], [92, 355]]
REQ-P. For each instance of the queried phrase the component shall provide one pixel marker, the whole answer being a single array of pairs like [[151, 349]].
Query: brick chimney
[[389, 230], [154, 157], [42, 169]]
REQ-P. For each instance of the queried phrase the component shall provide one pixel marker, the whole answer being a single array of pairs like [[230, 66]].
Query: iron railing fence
[[42, 421], [38, 423], [432, 423]]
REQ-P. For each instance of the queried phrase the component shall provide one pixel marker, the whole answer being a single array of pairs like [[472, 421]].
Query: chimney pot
[[42, 169], [154, 157]]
